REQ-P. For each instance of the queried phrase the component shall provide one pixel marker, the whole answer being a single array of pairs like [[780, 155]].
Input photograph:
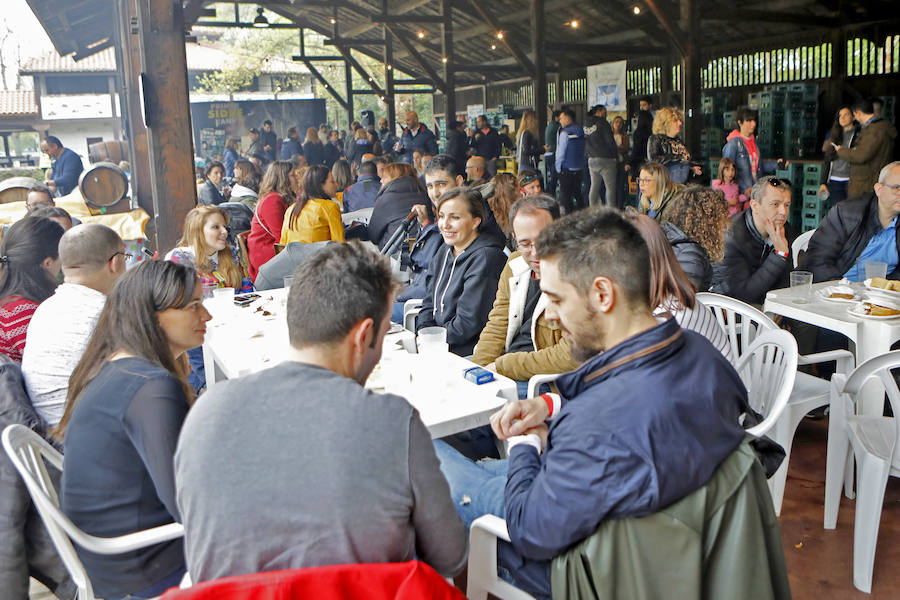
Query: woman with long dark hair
[[279, 188], [29, 273], [528, 146], [314, 216], [313, 150], [127, 400], [835, 177], [211, 192], [670, 289]]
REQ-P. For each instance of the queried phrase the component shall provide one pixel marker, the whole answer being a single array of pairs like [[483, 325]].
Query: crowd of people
[[524, 280]]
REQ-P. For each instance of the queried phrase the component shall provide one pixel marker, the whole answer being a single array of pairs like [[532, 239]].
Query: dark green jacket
[[721, 541]]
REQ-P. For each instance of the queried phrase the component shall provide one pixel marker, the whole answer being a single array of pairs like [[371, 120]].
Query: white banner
[[606, 85]]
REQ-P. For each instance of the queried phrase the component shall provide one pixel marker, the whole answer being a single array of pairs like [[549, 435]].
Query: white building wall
[[74, 134]]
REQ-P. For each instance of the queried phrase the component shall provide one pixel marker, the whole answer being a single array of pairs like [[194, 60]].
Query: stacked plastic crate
[[814, 208], [770, 127], [801, 110], [712, 137], [793, 172]]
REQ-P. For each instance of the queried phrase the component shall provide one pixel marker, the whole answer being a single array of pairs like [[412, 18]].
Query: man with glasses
[[758, 244], [93, 258], [518, 340], [858, 231]]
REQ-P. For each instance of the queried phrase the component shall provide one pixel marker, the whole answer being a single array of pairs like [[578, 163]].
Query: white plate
[[878, 290], [824, 294], [857, 311]]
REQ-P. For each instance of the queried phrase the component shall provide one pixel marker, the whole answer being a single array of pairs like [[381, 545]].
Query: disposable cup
[[801, 286]]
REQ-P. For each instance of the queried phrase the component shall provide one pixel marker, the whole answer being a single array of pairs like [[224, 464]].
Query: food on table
[[841, 296], [885, 284], [879, 311]]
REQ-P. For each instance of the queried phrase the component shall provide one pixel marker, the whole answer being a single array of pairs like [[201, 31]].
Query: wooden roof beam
[[768, 16], [520, 56], [399, 10], [438, 81], [617, 49], [675, 34], [345, 52]]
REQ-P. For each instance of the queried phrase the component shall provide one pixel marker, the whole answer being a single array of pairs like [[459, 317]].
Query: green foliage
[[34, 173]]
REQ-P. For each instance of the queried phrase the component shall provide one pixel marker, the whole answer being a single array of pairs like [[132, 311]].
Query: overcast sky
[[28, 37]]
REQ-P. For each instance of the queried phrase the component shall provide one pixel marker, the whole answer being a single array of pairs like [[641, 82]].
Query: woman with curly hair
[[666, 147], [697, 220], [506, 192]]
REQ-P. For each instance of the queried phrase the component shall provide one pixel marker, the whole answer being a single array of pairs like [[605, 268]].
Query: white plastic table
[[871, 337], [241, 340]]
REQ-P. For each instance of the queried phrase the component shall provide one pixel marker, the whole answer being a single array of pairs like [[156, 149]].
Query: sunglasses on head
[[529, 178], [775, 182]]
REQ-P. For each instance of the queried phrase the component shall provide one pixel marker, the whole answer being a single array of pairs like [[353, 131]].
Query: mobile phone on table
[[245, 299]]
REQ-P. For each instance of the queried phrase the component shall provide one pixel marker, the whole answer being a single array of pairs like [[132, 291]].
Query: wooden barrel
[[103, 185], [15, 189], [113, 152]]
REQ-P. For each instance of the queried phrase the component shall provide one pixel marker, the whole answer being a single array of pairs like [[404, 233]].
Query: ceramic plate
[[857, 311]]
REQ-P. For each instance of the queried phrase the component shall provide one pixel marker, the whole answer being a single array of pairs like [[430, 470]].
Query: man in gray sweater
[[300, 465]]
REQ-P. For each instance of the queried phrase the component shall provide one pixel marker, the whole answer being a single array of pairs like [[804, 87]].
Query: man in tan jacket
[[518, 340]]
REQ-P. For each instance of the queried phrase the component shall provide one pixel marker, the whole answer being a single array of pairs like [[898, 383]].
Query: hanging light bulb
[[421, 35], [260, 20], [499, 35], [493, 46], [574, 24], [636, 9], [333, 20], [444, 59]]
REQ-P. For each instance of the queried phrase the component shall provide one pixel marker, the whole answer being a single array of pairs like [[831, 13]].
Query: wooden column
[[128, 65], [348, 81], [690, 70], [540, 63], [168, 117], [665, 88], [389, 74], [449, 69], [833, 95]]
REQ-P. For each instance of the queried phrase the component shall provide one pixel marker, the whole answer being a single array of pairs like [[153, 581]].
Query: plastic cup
[[288, 281], [801, 286], [225, 294], [432, 339], [876, 269]]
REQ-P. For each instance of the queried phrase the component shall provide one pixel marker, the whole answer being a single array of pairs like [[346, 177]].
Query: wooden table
[[242, 340]]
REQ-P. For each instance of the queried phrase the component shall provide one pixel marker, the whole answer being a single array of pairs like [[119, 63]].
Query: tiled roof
[[199, 58], [17, 103]]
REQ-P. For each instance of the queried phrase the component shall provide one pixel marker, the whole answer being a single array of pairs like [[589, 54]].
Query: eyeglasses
[[526, 245], [645, 179], [125, 254]]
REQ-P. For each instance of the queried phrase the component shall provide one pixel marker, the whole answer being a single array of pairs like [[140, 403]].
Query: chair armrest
[[845, 360], [129, 542], [411, 308], [535, 382], [493, 525]]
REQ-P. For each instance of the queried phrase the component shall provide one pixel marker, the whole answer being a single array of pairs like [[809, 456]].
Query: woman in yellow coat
[[314, 216]]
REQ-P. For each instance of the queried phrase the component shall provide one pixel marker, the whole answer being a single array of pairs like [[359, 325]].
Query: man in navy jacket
[[415, 137], [647, 418], [65, 166]]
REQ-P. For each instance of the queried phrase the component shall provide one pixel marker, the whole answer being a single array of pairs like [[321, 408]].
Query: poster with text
[[606, 85]]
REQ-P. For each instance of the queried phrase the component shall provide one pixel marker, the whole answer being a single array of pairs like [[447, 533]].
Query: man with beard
[[648, 416]]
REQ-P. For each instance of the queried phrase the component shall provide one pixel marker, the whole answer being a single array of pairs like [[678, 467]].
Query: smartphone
[[245, 299]]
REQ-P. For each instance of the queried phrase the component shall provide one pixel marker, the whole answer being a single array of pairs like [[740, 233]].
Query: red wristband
[[549, 400]]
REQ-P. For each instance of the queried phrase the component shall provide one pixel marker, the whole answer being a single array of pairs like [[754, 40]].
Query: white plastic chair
[[742, 323], [536, 381], [28, 452], [482, 575], [768, 369], [873, 441], [801, 244], [411, 308]]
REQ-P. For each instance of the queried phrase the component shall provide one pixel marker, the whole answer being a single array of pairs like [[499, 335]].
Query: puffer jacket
[[751, 267], [393, 203], [871, 150], [460, 291], [424, 141], [26, 549], [551, 354], [841, 238], [691, 256]]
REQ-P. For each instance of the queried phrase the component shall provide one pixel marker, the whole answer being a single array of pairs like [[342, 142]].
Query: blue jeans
[[479, 488], [197, 376], [838, 190], [679, 171], [157, 589]]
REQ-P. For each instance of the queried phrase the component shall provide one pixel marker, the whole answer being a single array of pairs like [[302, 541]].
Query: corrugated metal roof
[[18, 103], [200, 57]]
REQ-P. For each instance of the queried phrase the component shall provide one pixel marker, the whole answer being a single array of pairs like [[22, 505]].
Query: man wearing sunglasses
[[858, 231], [758, 244]]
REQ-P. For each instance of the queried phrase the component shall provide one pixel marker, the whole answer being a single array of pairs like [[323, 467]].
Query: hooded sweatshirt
[[461, 291]]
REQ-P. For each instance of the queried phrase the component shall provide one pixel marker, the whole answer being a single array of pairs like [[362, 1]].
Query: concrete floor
[[821, 568]]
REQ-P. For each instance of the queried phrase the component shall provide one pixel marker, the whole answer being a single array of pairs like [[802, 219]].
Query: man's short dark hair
[[367, 168], [569, 113], [864, 106], [745, 113], [42, 189], [595, 242], [335, 289], [385, 160], [528, 205], [442, 162], [267, 122], [52, 139], [555, 114], [50, 212], [645, 99]]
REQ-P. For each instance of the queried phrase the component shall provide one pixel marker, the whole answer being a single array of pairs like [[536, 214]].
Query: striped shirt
[[15, 315], [699, 319]]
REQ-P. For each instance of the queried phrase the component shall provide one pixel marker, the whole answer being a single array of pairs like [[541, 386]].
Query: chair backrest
[[768, 368], [28, 453], [878, 368], [800, 245], [740, 321]]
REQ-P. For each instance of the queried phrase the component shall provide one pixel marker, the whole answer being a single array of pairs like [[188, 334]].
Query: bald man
[[93, 258], [415, 137], [476, 169]]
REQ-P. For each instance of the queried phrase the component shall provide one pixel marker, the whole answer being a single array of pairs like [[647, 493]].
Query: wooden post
[[128, 65], [348, 81], [690, 69], [540, 63], [168, 116], [389, 75], [449, 72]]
